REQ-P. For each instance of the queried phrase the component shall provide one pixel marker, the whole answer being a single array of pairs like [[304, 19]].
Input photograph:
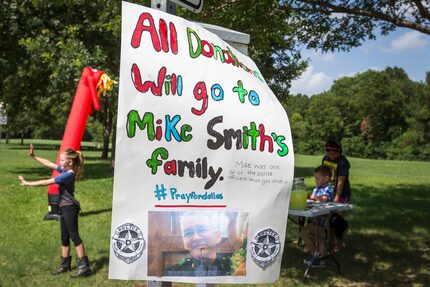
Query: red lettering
[[264, 138], [200, 93], [227, 57], [140, 28], [163, 36], [173, 38], [158, 130], [208, 53], [173, 84], [170, 167], [143, 88]]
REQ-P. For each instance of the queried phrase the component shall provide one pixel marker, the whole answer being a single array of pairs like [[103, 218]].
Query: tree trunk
[[22, 138], [105, 150], [107, 128]]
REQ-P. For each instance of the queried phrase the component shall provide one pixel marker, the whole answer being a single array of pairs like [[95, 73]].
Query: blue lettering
[[171, 128]]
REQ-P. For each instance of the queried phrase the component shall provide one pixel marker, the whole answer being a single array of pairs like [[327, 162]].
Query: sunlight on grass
[[387, 243]]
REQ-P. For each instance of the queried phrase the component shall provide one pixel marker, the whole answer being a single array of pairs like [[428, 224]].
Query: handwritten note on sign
[[204, 160]]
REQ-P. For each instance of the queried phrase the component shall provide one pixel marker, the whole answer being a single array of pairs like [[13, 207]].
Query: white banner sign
[[204, 158]]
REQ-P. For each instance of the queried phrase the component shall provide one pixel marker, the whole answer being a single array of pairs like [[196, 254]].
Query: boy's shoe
[[319, 263], [309, 259], [315, 260], [312, 257]]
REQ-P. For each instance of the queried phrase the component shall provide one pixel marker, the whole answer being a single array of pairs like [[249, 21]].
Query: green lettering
[[184, 129], [217, 49], [154, 162], [198, 51], [257, 74], [147, 122], [245, 136], [283, 151], [254, 133], [235, 61]]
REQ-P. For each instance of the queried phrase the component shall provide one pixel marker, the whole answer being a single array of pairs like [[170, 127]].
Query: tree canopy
[[273, 46], [332, 25], [44, 45], [377, 114]]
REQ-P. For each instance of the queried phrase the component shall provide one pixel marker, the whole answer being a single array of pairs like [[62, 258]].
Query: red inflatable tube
[[84, 103]]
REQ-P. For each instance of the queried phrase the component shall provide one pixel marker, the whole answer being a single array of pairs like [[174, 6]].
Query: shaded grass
[[30, 247], [388, 243]]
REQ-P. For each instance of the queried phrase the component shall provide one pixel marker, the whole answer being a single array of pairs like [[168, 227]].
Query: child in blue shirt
[[70, 168], [323, 192]]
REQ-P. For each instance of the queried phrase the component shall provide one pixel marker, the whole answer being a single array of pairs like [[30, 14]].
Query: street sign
[[193, 5]]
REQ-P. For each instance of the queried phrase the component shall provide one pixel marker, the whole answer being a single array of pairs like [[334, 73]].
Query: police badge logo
[[128, 243], [265, 248]]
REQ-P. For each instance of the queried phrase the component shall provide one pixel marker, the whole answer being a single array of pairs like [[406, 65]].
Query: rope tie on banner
[[105, 84]]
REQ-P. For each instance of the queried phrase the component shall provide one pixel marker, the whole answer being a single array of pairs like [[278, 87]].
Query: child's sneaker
[[319, 263], [315, 260], [309, 259]]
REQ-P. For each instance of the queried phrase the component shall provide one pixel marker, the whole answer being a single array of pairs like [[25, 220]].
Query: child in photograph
[[201, 237]]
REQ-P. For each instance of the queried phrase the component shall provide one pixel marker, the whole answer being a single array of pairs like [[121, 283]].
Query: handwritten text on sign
[[164, 39], [198, 128]]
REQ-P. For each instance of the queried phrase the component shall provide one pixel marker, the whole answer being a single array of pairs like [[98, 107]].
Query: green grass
[[388, 243]]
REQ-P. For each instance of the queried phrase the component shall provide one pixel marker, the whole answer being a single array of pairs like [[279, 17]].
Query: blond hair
[[77, 161]]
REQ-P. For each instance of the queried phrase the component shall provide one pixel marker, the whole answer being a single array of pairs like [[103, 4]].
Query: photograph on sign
[[200, 135], [197, 243]]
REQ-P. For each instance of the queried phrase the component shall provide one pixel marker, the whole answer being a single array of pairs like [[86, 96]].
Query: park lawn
[[388, 243]]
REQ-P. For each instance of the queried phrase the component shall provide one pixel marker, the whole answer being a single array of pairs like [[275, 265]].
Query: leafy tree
[[53, 41], [324, 116], [46, 44], [378, 99], [273, 44], [339, 25], [297, 104], [374, 114], [414, 142]]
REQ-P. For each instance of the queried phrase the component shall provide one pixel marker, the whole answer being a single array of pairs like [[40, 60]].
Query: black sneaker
[[320, 263], [311, 257]]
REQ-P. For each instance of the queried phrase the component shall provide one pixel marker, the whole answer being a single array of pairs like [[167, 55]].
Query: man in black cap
[[339, 166]]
